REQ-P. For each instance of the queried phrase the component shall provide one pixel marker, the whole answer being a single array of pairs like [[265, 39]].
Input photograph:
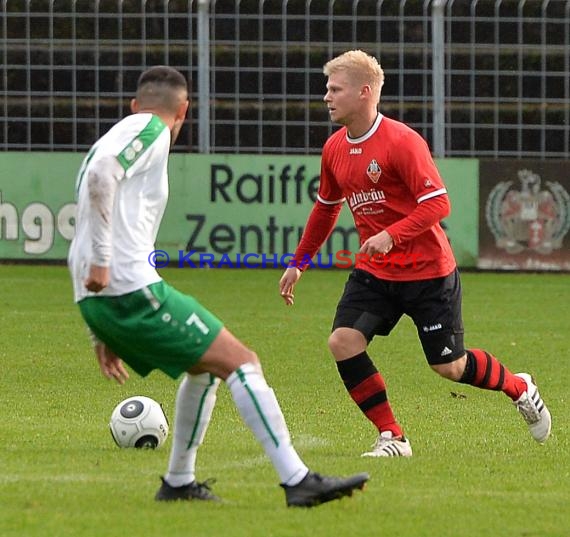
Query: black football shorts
[[374, 307]]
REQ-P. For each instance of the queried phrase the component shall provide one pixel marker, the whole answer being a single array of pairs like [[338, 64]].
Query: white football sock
[[195, 402], [260, 410]]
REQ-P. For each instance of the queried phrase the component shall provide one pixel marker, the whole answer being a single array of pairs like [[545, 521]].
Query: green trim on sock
[[241, 376], [200, 409]]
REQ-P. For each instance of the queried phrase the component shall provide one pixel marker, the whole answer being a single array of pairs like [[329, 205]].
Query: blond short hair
[[362, 67]]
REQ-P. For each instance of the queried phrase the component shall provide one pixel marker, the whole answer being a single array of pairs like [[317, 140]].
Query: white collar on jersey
[[368, 133]]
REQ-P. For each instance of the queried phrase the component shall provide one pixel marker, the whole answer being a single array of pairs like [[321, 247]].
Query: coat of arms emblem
[[532, 218], [374, 171]]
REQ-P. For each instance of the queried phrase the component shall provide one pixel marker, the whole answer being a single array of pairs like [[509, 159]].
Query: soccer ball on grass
[[139, 422]]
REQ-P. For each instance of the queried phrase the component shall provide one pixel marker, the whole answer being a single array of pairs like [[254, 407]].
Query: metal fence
[[478, 78]]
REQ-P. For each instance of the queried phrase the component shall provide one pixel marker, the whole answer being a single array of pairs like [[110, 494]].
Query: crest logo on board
[[532, 218]]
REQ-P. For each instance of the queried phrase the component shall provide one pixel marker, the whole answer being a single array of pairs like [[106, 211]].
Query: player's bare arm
[[287, 284], [110, 364]]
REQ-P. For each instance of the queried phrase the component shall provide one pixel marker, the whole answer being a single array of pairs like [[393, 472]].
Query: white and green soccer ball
[[139, 422]]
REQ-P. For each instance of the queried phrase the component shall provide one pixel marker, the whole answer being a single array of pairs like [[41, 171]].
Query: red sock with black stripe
[[368, 390], [484, 371]]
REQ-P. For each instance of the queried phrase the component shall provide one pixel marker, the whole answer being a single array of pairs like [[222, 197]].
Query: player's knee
[[346, 342], [247, 356], [336, 343]]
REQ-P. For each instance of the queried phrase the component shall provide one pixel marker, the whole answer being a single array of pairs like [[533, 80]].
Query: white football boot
[[388, 446], [533, 410]]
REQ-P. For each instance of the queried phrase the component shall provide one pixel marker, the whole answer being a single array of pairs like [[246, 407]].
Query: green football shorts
[[156, 327]]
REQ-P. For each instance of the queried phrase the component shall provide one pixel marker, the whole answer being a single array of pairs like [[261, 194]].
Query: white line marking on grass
[[308, 440]]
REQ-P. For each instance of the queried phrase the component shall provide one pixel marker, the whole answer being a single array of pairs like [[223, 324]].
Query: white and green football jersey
[[137, 148]]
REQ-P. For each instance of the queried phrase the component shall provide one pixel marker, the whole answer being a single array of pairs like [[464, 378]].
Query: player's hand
[[98, 278], [380, 243], [110, 364], [287, 284]]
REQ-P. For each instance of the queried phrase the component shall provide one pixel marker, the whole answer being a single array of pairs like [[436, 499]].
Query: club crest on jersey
[[374, 171]]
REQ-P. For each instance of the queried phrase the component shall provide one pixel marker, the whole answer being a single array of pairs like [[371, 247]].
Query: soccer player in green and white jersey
[[133, 315]]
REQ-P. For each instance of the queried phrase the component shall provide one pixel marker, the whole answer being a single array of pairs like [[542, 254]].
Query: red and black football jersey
[[384, 176]]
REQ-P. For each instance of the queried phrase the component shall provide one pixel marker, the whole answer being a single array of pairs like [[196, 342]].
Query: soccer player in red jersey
[[384, 171]]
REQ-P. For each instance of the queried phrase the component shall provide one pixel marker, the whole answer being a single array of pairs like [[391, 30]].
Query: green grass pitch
[[475, 471]]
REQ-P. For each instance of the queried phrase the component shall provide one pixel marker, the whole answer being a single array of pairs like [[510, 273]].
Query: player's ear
[[365, 91], [182, 110], [134, 106]]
